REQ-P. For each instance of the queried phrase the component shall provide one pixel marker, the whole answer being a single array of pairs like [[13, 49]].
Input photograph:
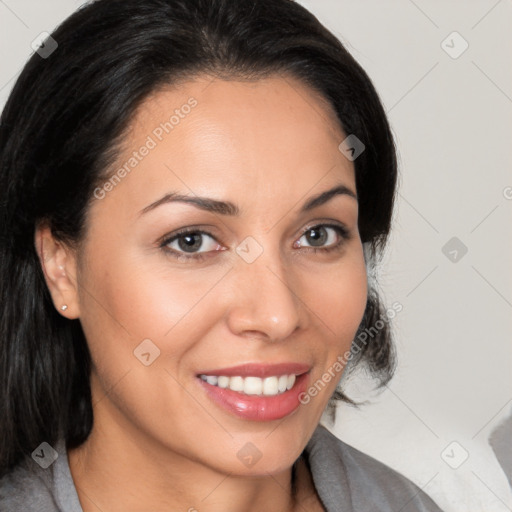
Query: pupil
[[190, 242], [317, 236]]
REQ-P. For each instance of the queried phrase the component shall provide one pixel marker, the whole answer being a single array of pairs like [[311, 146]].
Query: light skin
[[158, 441]]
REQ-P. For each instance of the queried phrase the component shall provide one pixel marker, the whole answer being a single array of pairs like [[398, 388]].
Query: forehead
[[219, 138]]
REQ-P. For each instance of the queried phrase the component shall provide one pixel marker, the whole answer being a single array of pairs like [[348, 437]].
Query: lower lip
[[256, 407]]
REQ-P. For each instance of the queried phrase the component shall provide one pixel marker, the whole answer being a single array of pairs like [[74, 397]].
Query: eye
[[323, 236], [197, 244], [191, 242]]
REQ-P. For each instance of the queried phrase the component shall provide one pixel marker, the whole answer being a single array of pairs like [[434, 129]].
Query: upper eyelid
[[328, 224], [167, 239]]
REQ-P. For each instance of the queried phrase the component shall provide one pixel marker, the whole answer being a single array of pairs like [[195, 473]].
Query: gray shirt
[[346, 480]]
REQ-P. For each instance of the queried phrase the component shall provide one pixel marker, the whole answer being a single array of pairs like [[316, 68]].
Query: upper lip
[[260, 370]]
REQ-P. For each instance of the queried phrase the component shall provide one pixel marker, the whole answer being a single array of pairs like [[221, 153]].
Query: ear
[[58, 263]]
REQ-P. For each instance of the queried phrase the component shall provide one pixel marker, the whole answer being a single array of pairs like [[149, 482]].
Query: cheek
[[135, 302], [338, 297], [144, 298], [132, 299]]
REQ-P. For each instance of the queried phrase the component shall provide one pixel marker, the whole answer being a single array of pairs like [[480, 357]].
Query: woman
[[193, 196]]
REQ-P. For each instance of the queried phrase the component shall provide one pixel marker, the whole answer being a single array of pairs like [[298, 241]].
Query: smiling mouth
[[251, 385], [257, 391]]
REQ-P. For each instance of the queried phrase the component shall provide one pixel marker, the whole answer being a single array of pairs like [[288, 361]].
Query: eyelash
[[341, 231]]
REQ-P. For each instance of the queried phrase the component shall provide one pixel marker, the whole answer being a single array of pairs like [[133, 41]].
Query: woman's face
[[251, 285]]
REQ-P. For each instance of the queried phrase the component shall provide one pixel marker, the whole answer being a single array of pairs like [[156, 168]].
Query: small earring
[[64, 307]]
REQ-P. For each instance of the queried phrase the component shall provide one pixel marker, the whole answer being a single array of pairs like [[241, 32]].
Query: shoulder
[[340, 470], [26, 489], [31, 487]]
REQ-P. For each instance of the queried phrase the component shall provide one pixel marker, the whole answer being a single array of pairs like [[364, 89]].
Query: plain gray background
[[451, 112]]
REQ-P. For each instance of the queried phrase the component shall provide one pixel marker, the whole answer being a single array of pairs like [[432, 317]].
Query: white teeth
[[223, 381], [268, 386], [236, 383], [211, 379], [253, 386], [281, 385]]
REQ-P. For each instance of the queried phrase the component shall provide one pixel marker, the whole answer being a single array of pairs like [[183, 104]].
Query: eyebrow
[[228, 208]]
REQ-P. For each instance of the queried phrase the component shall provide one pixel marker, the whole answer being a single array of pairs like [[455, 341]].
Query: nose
[[263, 303]]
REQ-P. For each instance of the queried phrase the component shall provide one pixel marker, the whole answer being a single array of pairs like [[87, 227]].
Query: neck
[[117, 469]]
